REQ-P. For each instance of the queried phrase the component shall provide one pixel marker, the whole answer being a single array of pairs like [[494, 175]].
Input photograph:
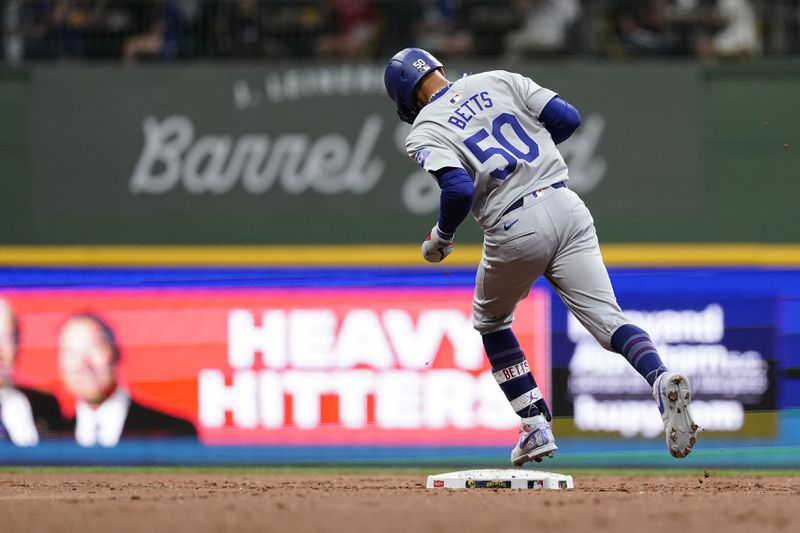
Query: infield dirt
[[214, 502]]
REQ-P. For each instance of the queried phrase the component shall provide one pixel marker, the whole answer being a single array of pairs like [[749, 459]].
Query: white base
[[500, 479]]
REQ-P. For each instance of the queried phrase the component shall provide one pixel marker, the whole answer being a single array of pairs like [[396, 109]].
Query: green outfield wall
[[15, 157], [278, 154]]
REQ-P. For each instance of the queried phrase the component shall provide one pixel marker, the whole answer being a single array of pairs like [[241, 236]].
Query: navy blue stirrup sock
[[635, 345], [511, 371]]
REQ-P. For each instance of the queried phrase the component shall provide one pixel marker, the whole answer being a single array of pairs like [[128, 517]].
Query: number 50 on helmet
[[402, 76]]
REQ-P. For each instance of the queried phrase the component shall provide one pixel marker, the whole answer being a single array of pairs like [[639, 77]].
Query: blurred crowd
[[148, 30]]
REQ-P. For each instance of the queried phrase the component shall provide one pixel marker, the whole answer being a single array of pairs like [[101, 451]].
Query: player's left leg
[[509, 266], [512, 373], [580, 278]]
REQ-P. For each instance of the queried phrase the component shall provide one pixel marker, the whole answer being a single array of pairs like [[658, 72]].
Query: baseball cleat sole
[[681, 428], [537, 455]]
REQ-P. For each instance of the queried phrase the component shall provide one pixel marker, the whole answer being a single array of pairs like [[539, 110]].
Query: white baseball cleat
[[535, 442], [673, 394]]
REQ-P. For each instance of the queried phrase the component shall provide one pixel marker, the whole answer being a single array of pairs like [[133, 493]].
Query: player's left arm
[[455, 198], [455, 201]]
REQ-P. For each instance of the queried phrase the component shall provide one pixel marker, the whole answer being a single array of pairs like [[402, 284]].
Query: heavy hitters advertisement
[[394, 361], [258, 366]]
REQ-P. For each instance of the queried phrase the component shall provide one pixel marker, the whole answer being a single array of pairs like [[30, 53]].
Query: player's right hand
[[437, 245]]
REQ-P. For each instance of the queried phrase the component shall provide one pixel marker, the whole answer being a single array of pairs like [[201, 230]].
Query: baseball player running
[[489, 140]]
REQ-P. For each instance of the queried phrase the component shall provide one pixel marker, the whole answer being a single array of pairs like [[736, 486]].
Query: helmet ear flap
[[410, 110], [407, 115]]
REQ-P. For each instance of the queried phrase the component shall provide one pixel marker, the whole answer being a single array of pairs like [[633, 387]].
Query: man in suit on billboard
[[104, 411], [25, 414]]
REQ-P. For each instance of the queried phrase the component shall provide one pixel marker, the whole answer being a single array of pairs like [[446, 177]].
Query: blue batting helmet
[[402, 76]]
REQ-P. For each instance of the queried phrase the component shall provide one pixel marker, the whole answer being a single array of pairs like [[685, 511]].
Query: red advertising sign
[[304, 366]]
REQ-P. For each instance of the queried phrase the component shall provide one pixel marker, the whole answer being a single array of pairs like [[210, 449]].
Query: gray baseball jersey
[[488, 125]]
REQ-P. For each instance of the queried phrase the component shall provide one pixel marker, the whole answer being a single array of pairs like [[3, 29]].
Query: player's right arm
[[455, 198], [559, 117]]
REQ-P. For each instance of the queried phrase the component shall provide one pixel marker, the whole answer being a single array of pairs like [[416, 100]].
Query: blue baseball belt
[[521, 201]]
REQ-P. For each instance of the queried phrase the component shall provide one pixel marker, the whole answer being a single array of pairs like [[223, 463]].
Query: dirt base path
[[200, 503]]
